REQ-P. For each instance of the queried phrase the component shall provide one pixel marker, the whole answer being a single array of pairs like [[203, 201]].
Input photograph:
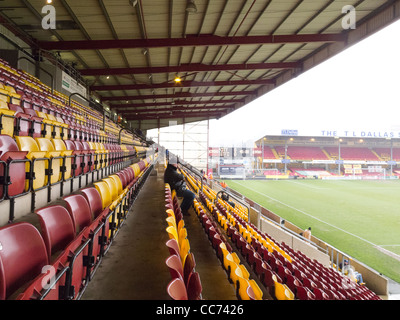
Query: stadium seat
[[35, 130], [57, 228], [173, 246], [174, 265], [14, 183], [63, 245], [94, 199], [100, 216], [55, 159], [194, 287], [105, 193], [23, 256], [38, 166], [6, 118], [22, 123], [177, 290], [79, 209], [172, 233], [59, 145]]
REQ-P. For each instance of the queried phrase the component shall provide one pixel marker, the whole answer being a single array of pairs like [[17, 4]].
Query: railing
[[237, 199]]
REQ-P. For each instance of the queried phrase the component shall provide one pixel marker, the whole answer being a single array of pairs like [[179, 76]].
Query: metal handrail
[[237, 199], [192, 170]]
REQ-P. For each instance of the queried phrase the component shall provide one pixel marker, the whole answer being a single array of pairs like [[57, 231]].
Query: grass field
[[360, 218]]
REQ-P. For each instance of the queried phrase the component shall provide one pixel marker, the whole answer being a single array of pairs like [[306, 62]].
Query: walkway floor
[[134, 267]]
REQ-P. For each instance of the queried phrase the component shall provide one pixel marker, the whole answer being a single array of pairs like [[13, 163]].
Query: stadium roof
[[226, 52]]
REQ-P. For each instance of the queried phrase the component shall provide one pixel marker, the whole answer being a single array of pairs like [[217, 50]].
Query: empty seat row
[[58, 262], [49, 161], [185, 283], [287, 273], [238, 275]]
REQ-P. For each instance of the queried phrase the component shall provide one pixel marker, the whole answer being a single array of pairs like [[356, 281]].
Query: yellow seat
[[39, 166], [47, 124], [258, 294], [282, 291], [184, 249], [7, 118], [170, 213], [172, 233], [136, 170], [171, 222], [46, 145], [105, 194], [241, 285], [59, 145], [113, 188], [118, 183], [181, 224]]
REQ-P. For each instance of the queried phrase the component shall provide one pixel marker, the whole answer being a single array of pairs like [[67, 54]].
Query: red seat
[[174, 265], [36, 123], [57, 228], [101, 216], [173, 247], [94, 200], [79, 209], [10, 154], [177, 289], [23, 255], [194, 287], [304, 293], [59, 235], [78, 159], [22, 120]]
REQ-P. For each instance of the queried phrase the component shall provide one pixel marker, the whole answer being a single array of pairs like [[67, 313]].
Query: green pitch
[[360, 218]]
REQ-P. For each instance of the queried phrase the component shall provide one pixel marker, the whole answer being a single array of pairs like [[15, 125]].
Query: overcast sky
[[357, 91]]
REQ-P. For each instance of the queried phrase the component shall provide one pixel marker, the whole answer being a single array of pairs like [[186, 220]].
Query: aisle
[[134, 267]]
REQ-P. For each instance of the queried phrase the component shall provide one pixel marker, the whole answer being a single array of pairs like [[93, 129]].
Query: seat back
[[174, 265], [79, 209], [94, 200], [105, 193], [23, 255], [30, 145], [9, 151], [57, 228], [177, 289]]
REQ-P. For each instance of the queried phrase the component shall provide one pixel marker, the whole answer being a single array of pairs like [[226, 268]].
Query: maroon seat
[[94, 200], [79, 209], [9, 152], [173, 247], [57, 228], [59, 236], [304, 294], [78, 159], [23, 255], [174, 265], [22, 120], [100, 216], [194, 287], [36, 123], [177, 290]]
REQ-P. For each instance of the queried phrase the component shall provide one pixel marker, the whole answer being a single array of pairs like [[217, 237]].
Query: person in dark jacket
[[177, 183]]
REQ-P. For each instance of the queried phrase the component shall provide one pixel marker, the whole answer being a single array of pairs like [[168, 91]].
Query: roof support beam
[[178, 95], [196, 67], [176, 103], [183, 84], [174, 109], [174, 115], [189, 41]]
